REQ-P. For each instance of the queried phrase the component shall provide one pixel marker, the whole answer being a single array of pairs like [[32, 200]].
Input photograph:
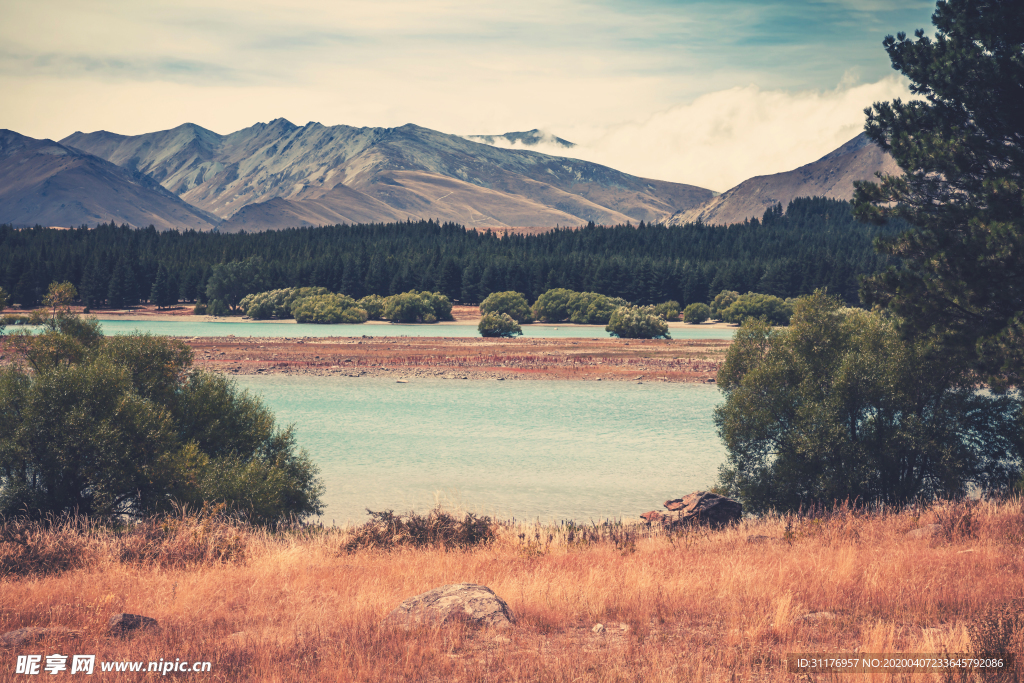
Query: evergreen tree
[[962, 150]]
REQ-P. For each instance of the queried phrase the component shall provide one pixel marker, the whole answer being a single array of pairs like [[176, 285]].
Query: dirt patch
[[684, 360]]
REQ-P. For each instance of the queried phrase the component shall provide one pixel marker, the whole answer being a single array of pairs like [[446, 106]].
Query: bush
[[696, 313], [417, 307], [373, 304], [217, 308], [328, 309], [277, 303], [512, 303], [839, 407], [722, 301], [199, 309], [777, 311], [637, 322], [438, 528], [499, 325], [124, 426], [582, 308], [669, 310]]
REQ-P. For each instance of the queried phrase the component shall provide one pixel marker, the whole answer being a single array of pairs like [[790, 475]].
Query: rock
[[598, 629], [758, 539], [926, 531], [469, 602], [502, 639], [704, 507], [122, 624], [652, 516], [31, 634]]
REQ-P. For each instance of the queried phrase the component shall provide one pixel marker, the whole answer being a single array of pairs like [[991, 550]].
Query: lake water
[[188, 328], [515, 449]]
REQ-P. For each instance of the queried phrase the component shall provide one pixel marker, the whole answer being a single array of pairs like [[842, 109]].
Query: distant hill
[[46, 183], [279, 175], [831, 176]]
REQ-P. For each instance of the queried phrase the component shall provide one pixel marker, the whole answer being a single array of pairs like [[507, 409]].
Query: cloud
[[725, 137]]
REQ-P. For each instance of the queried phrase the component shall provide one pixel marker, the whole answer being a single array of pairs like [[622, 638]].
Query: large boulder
[[31, 634], [704, 507], [471, 603]]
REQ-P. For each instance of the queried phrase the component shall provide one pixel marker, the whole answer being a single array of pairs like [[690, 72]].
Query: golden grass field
[[696, 605]]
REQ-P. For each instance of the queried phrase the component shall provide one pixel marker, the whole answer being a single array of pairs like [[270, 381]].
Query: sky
[[706, 93]]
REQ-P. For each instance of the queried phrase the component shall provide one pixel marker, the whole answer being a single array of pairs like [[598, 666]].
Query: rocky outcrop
[[470, 603], [122, 624], [700, 508], [926, 531], [32, 634]]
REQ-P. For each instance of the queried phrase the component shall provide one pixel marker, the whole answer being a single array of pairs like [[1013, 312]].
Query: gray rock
[[704, 507], [31, 634], [819, 616], [926, 531], [472, 603], [122, 623], [598, 629]]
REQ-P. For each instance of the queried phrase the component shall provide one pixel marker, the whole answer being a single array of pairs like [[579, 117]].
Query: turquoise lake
[[251, 329], [548, 450]]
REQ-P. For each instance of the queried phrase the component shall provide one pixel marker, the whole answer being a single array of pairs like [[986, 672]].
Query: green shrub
[[123, 425], [417, 307], [750, 305], [217, 308], [637, 322], [722, 301], [328, 309], [199, 309], [373, 304], [512, 303], [696, 313], [499, 325], [582, 308], [669, 310], [277, 303]]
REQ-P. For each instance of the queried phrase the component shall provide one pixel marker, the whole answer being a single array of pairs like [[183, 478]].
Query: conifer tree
[[961, 148]]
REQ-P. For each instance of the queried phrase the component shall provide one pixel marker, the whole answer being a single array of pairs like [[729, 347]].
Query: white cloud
[[725, 137]]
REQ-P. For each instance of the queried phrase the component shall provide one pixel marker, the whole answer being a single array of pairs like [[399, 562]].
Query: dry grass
[[295, 605]]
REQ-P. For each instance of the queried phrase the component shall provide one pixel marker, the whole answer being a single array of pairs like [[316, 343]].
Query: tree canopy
[[960, 272], [839, 407], [124, 425]]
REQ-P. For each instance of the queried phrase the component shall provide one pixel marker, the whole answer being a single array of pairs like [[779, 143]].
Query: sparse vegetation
[[293, 605]]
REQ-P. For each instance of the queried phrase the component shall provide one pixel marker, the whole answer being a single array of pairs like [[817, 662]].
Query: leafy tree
[[124, 425], [373, 304], [722, 301], [838, 407], [277, 303], [328, 309], [696, 313], [637, 322], [669, 310], [230, 282], [550, 307], [750, 305], [961, 148], [417, 307], [591, 308], [512, 303], [499, 325]]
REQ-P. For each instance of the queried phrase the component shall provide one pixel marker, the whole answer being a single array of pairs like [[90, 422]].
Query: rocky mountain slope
[[831, 176], [46, 183], [279, 175]]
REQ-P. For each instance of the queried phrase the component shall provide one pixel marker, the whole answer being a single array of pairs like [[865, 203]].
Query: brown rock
[[122, 624], [652, 516], [31, 634], [472, 603], [704, 507]]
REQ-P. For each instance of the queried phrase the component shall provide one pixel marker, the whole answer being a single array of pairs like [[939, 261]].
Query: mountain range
[[276, 175]]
